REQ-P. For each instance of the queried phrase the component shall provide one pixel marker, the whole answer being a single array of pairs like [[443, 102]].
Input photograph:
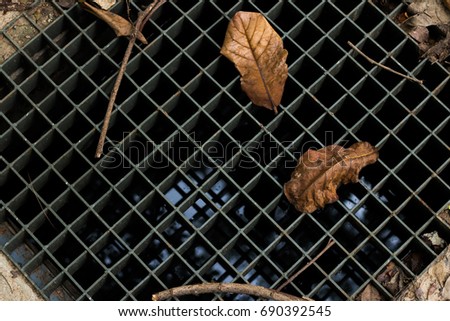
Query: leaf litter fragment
[[121, 26], [257, 52], [320, 172]]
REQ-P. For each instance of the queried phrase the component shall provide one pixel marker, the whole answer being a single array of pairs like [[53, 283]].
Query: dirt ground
[[18, 28], [13, 286]]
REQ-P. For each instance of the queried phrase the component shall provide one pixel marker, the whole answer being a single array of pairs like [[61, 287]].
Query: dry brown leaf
[[393, 278], [258, 54], [428, 23], [370, 293], [319, 173], [434, 241], [121, 26]]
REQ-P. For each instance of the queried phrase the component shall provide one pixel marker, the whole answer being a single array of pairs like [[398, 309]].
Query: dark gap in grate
[[99, 69], [110, 290], [72, 208], [112, 252], [306, 35], [412, 126], [62, 31], [40, 50], [349, 111], [411, 95], [372, 213], [176, 273], [350, 235], [416, 257], [221, 191], [444, 133], [78, 55], [198, 254], [327, 91], [392, 193], [365, 18], [222, 71], [434, 153], [132, 274], [159, 168], [309, 280], [263, 197], [199, 212], [435, 194], [5, 88], [203, 51], [393, 152], [262, 234], [391, 113], [224, 109], [349, 278], [393, 235], [115, 208], [348, 73], [91, 229], [155, 252], [100, 35], [308, 71], [15, 107], [33, 167], [371, 256], [412, 165], [204, 15], [184, 32], [77, 127], [67, 257], [344, 33], [138, 108], [242, 211], [18, 68], [160, 88], [134, 231], [221, 232], [415, 214], [327, 54], [327, 17], [432, 113]]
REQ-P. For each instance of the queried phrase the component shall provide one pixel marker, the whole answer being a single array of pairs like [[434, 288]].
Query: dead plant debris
[[319, 173], [257, 52], [393, 278], [427, 22], [370, 293]]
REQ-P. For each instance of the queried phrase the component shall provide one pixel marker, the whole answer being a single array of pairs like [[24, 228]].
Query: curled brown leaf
[[319, 173], [121, 26], [257, 52]]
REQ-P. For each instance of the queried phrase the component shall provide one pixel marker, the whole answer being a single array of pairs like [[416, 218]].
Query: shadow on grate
[[190, 190]]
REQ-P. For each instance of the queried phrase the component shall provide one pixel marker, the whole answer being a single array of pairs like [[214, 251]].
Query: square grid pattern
[[190, 189]]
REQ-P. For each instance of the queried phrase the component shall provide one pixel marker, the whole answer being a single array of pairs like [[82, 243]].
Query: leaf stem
[[373, 62]]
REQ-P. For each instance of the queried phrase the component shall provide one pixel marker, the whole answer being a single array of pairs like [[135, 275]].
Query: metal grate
[[191, 188]]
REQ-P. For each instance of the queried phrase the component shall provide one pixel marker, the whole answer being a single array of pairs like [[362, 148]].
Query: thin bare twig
[[249, 289], [6, 280], [40, 203], [140, 22], [330, 243], [373, 62]]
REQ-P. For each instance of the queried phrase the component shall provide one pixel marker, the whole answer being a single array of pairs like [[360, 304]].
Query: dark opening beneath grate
[[191, 187]]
